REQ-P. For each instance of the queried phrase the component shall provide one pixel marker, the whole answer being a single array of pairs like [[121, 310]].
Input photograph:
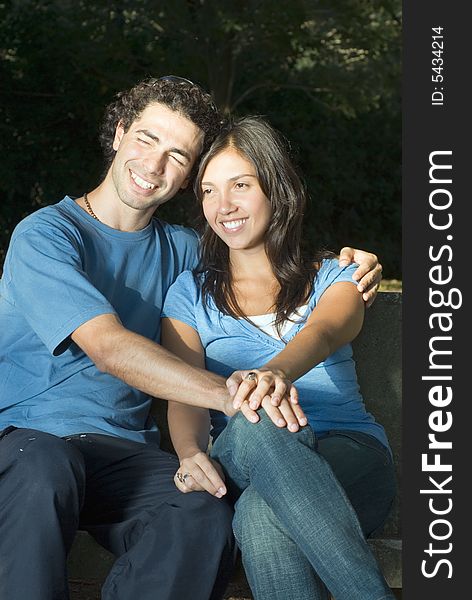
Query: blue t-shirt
[[329, 393], [62, 269]]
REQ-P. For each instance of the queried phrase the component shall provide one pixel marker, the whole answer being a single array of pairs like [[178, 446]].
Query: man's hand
[[369, 273], [200, 473], [286, 414]]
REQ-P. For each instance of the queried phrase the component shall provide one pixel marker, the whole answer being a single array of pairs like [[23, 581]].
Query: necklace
[[89, 208]]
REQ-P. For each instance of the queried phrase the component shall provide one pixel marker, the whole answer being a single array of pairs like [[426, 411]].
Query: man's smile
[[142, 183]]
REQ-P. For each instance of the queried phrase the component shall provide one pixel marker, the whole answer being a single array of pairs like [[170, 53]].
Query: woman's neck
[[253, 282]]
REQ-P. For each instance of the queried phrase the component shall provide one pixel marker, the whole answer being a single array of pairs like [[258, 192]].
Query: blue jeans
[[298, 533]]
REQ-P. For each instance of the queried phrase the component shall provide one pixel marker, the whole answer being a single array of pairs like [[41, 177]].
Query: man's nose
[[155, 162]]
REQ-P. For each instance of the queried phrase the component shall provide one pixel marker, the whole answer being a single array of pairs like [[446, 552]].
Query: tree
[[325, 73]]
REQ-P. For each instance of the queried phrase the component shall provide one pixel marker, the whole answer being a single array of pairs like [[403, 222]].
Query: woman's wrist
[[278, 371], [189, 451]]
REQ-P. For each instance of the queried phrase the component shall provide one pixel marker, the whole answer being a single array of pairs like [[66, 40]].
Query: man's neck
[[105, 205]]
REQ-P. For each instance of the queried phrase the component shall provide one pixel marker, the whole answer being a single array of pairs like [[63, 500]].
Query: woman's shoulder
[[329, 272], [186, 280], [330, 265]]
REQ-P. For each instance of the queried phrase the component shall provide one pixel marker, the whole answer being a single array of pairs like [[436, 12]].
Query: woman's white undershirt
[[266, 322]]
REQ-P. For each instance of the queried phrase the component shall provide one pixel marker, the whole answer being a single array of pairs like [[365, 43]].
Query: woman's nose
[[225, 205]]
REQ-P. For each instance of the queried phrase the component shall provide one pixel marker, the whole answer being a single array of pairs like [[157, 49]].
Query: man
[[80, 301]]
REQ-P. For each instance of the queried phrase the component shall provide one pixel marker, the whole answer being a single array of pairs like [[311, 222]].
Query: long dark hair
[[267, 150]]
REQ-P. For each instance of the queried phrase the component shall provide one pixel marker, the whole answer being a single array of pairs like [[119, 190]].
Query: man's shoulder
[[176, 231], [46, 217], [182, 240]]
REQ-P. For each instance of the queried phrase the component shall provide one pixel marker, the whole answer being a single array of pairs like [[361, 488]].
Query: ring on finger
[[251, 376], [182, 476]]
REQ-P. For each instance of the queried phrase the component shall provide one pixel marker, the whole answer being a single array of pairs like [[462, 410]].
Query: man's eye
[[177, 160], [143, 141]]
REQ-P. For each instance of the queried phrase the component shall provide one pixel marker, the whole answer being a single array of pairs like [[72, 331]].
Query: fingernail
[[254, 418], [275, 400], [253, 405], [222, 490], [293, 427], [303, 421], [232, 389], [280, 422], [218, 494]]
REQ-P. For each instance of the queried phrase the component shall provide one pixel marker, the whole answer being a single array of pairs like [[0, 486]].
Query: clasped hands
[[268, 389]]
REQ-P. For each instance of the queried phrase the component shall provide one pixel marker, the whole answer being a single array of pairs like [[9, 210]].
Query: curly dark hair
[[178, 94]]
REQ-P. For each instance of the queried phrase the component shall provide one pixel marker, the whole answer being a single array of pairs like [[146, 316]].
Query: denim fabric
[[294, 523], [364, 468]]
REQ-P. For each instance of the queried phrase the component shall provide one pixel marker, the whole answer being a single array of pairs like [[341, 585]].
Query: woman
[[298, 489]]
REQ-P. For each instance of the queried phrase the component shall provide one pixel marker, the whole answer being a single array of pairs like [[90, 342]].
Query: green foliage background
[[326, 73]]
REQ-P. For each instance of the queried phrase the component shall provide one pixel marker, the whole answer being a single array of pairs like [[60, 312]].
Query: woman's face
[[233, 203]]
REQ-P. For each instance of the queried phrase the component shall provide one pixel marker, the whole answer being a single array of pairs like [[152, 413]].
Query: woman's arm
[[189, 426], [336, 320]]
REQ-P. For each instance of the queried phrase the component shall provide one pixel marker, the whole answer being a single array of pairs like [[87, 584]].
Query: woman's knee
[[256, 436]]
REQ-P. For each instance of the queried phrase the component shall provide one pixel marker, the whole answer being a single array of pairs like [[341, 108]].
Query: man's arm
[[369, 273], [148, 366]]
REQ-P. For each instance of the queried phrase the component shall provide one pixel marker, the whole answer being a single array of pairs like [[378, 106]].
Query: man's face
[[154, 157]]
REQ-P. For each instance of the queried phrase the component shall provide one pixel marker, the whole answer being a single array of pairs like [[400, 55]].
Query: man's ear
[[119, 133]]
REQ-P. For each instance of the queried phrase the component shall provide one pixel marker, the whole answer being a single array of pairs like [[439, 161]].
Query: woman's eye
[[206, 191], [241, 185]]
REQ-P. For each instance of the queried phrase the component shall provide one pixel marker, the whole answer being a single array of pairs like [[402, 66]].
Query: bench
[[377, 351]]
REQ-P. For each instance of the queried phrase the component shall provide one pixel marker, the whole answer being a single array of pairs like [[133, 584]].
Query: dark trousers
[[168, 545]]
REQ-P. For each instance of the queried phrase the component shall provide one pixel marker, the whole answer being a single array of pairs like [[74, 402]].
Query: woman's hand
[[369, 273], [270, 389], [254, 385], [200, 473]]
